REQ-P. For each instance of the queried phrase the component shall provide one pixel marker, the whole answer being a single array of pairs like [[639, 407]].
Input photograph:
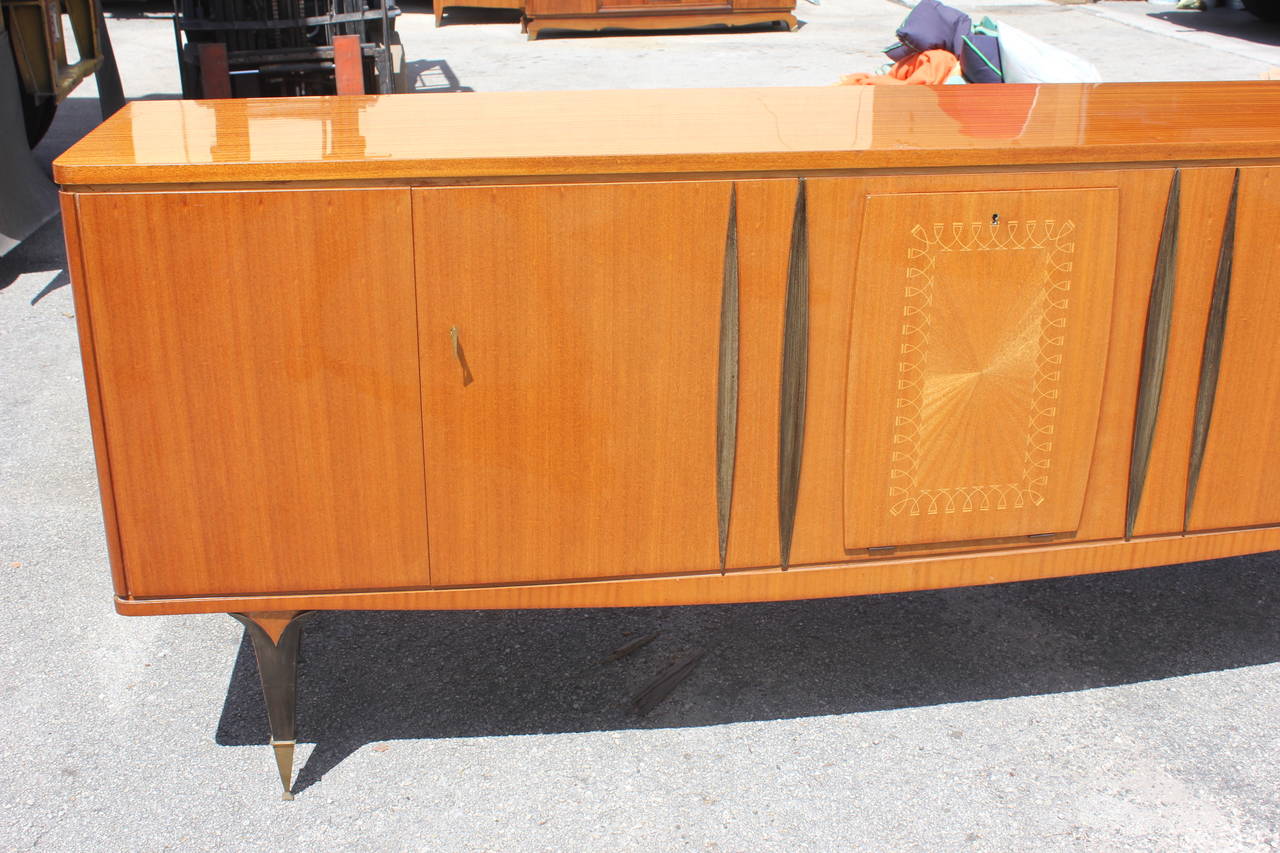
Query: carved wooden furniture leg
[[275, 642]]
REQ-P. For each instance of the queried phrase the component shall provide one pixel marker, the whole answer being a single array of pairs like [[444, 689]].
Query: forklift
[[280, 48]]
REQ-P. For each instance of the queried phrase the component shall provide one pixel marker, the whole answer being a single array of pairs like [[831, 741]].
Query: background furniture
[[672, 347], [439, 6], [653, 14]]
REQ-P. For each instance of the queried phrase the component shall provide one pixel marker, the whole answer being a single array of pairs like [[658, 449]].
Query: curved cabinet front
[[976, 362]]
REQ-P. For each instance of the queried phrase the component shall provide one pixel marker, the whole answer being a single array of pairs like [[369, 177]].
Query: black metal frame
[[284, 47]]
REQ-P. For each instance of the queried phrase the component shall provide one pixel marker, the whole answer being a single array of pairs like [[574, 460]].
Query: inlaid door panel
[[572, 360], [1236, 445], [259, 388], [977, 357]]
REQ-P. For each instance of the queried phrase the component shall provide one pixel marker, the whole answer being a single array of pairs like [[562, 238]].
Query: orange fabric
[[932, 67]]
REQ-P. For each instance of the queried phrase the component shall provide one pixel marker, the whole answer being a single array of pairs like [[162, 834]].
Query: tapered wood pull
[[457, 346]]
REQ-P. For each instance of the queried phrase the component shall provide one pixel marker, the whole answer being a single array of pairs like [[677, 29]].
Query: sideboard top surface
[[677, 131]]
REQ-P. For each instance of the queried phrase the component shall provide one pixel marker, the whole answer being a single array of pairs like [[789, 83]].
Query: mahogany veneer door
[[258, 368], [978, 352], [1239, 393], [571, 431]]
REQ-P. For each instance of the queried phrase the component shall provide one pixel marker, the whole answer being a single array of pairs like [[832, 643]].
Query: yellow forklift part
[[40, 44]]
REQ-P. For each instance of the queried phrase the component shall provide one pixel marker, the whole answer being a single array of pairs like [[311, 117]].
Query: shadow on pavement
[[366, 677], [41, 252], [1235, 23], [433, 75]]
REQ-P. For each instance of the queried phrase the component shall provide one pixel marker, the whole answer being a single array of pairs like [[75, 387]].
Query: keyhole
[[995, 219]]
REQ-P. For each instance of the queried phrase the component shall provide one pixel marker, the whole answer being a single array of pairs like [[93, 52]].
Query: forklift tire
[[1267, 10], [37, 115]]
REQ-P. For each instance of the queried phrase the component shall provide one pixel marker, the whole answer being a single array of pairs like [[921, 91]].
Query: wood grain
[[1155, 352], [642, 6], [795, 376], [661, 18], [93, 389], [570, 451], [872, 577], [1236, 487], [272, 622], [765, 211], [836, 210], [586, 444], [974, 383], [561, 7], [1204, 195], [727, 379], [258, 375], [439, 6], [675, 131], [1215, 330]]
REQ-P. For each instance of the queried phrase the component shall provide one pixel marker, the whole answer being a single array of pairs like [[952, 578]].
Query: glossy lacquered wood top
[[409, 137]]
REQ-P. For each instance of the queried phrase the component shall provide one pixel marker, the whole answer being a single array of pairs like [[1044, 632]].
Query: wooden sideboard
[[672, 347], [594, 15]]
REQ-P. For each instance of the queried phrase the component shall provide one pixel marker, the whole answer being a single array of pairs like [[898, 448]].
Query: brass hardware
[[455, 338], [1155, 352], [283, 750], [1211, 360], [727, 395], [795, 368]]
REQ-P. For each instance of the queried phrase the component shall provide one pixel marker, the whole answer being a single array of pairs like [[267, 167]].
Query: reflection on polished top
[[407, 137]]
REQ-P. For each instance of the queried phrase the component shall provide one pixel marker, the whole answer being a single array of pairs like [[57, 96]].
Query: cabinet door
[[570, 341], [258, 369], [976, 363], [1238, 406]]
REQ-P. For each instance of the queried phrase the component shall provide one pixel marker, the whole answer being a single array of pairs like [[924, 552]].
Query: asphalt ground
[[1129, 711]]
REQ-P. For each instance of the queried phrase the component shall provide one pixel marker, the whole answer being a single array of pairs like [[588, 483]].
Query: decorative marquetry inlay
[[983, 343], [955, 384]]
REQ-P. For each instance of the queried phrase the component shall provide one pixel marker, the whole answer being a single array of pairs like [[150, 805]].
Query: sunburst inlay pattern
[[960, 388]]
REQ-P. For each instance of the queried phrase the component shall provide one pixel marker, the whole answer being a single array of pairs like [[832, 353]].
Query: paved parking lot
[[1136, 710]]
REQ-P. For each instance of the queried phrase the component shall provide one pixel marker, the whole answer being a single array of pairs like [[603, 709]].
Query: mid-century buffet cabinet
[[645, 348], [540, 15]]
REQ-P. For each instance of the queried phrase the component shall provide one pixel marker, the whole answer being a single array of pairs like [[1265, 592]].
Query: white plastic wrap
[[1027, 59]]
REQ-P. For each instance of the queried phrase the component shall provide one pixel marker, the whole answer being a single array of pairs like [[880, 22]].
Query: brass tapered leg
[[284, 763], [275, 639]]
